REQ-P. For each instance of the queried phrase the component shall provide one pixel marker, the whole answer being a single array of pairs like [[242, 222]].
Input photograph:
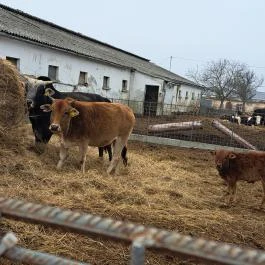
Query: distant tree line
[[224, 79]]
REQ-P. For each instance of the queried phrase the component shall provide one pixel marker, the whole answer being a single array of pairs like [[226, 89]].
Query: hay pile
[[166, 187], [12, 99]]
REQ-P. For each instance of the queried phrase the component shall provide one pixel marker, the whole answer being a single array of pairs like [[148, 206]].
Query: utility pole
[[170, 62]]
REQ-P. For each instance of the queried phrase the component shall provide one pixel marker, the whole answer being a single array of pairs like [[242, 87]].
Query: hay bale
[[12, 97]]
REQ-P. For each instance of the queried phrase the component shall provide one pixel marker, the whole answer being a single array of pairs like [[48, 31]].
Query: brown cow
[[90, 124], [234, 166]]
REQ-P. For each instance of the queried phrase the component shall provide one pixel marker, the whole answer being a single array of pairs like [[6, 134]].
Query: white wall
[[35, 59], [172, 102], [190, 90]]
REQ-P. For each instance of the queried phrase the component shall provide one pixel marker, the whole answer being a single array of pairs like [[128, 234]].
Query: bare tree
[[218, 78], [224, 79], [196, 76], [246, 84]]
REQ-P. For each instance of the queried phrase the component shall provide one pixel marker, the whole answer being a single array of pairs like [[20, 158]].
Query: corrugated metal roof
[[24, 26]]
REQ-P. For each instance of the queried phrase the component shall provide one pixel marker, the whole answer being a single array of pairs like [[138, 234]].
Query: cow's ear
[[73, 112], [46, 107], [49, 92], [70, 100], [232, 156]]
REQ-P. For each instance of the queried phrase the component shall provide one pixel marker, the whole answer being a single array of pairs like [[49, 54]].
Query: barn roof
[[27, 27]]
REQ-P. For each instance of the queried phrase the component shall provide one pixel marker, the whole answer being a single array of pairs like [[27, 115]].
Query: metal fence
[[194, 125], [139, 236]]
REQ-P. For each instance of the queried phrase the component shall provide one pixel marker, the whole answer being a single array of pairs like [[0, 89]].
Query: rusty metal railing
[[139, 236]]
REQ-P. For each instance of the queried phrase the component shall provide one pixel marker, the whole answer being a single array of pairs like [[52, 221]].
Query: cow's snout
[[219, 166], [55, 128], [30, 103]]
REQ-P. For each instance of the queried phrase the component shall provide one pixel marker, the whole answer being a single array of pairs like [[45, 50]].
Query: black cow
[[40, 120], [261, 113], [258, 117]]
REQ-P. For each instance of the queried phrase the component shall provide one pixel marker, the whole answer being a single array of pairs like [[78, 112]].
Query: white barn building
[[78, 62]]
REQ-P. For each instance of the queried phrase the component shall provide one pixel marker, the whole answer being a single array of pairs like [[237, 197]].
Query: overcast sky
[[193, 32]]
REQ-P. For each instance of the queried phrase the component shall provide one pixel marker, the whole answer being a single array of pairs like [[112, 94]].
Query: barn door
[[150, 100]]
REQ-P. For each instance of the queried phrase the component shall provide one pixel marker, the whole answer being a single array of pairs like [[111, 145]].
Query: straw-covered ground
[[171, 188]]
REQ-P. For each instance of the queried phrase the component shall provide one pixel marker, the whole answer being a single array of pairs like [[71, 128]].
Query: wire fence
[[196, 124], [139, 236]]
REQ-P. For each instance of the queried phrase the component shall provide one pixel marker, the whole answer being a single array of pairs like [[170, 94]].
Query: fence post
[[137, 253], [149, 114], [192, 128]]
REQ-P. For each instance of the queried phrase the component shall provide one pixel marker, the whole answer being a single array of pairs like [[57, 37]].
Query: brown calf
[[90, 124], [234, 166]]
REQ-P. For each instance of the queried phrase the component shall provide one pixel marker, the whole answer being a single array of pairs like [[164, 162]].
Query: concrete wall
[[250, 106]]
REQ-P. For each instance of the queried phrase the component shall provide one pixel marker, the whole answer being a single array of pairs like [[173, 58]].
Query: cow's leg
[[232, 192], [100, 152], [83, 152], [63, 155], [117, 148], [109, 150], [124, 156], [263, 199], [226, 196]]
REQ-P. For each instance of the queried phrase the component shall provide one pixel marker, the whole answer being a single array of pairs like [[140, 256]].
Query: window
[[53, 72], [14, 61], [192, 96], [124, 86], [106, 82], [179, 96], [187, 95], [82, 78], [199, 95]]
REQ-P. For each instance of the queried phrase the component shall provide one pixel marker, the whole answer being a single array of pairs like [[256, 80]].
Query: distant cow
[[235, 166], [259, 116], [238, 118], [40, 121], [232, 118], [255, 120], [90, 124]]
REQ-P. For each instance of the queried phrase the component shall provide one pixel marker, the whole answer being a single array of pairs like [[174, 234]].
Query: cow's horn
[[45, 83], [48, 82]]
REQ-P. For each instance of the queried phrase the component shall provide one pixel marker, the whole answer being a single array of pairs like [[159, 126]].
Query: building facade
[[79, 63]]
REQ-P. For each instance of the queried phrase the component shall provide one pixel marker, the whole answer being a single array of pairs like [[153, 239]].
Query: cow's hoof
[[225, 206], [110, 171], [59, 166], [39, 148], [125, 161]]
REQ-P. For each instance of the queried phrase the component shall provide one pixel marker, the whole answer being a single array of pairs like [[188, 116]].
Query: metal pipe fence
[[178, 121], [139, 236], [31, 257]]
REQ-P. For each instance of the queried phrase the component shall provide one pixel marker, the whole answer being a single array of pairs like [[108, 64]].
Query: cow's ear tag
[[232, 156], [48, 92], [73, 112], [46, 107]]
